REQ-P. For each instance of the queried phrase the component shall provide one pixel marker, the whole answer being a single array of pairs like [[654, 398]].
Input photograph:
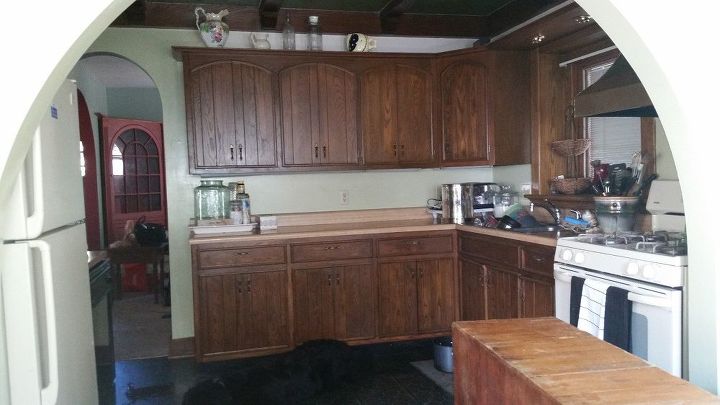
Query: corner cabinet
[[230, 116], [483, 109]]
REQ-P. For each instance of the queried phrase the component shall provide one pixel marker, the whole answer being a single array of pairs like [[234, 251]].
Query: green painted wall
[[269, 193], [141, 103]]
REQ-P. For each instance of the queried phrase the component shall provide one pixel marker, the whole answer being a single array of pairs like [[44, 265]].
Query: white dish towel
[[591, 318]]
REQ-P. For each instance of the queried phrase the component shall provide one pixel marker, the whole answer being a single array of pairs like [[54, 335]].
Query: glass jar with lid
[[504, 199], [212, 200]]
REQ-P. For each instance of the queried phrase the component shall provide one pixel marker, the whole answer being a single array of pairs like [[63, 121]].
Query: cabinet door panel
[[379, 115], [224, 113], [355, 302], [203, 118], [414, 133], [301, 127], [465, 113], [435, 295], [502, 293], [398, 299], [472, 285], [254, 117], [313, 305], [337, 115], [268, 311], [212, 317], [537, 297]]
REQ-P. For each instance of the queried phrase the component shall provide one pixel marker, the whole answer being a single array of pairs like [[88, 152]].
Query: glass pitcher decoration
[[213, 31]]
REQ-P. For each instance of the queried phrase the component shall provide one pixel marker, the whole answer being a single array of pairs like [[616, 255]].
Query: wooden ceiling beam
[[391, 12]]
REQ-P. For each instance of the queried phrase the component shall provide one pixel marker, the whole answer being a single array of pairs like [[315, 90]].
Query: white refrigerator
[[46, 337]]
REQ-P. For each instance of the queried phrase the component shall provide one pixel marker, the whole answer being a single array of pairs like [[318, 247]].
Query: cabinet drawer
[[490, 249], [415, 246], [209, 259], [323, 251], [536, 259]]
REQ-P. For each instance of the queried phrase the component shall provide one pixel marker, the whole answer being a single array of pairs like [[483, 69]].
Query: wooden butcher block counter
[[546, 361]]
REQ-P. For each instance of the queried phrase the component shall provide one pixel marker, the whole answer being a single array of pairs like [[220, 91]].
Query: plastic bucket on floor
[[443, 354], [134, 278]]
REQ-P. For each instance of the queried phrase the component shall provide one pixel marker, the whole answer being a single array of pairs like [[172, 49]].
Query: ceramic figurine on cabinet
[[259, 40], [213, 31], [359, 43]]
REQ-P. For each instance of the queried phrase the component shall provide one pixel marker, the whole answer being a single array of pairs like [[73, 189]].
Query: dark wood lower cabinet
[[337, 302], [537, 297], [416, 296], [472, 291], [242, 311], [502, 293]]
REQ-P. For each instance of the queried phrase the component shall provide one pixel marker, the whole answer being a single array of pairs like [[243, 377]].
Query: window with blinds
[[614, 139]]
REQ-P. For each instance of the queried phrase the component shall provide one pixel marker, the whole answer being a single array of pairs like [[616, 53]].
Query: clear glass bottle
[[244, 199], [212, 200], [288, 34], [314, 42]]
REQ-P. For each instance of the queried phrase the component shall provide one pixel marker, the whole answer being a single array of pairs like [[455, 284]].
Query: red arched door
[[134, 173]]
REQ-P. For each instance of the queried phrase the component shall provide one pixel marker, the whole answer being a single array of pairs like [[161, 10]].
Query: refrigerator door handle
[[49, 393], [36, 218]]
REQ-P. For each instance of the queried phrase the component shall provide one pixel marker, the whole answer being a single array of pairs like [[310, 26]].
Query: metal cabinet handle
[[337, 278], [232, 154], [421, 273], [239, 286], [249, 285], [539, 259], [324, 151], [332, 247], [240, 152], [412, 274], [329, 279], [412, 242], [242, 253], [395, 150], [316, 152]]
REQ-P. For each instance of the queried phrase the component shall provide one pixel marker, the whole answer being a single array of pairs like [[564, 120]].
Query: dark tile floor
[[393, 380]]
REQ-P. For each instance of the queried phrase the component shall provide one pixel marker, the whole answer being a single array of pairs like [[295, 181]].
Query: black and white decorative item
[[356, 42]]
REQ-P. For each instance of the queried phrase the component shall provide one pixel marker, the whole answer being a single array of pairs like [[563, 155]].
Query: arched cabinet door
[[134, 178], [319, 115], [231, 116], [464, 117]]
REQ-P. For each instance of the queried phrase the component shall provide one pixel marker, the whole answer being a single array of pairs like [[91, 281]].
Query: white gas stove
[[651, 267]]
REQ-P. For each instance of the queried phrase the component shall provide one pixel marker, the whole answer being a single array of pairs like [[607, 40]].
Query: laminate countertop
[[547, 361], [370, 228]]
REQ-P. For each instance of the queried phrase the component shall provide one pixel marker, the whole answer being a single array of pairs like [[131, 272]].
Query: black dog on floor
[[310, 369]]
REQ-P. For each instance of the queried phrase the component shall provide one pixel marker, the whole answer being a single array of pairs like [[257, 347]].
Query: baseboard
[[179, 348]]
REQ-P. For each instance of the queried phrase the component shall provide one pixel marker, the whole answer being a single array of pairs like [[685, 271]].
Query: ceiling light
[[537, 39], [583, 19]]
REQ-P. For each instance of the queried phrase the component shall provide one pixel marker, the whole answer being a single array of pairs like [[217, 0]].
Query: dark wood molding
[[589, 34], [517, 12], [575, 202], [269, 11], [183, 347], [647, 144], [390, 13]]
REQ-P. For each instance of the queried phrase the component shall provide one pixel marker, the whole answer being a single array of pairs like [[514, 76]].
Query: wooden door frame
[[90, 182], [120, 125]]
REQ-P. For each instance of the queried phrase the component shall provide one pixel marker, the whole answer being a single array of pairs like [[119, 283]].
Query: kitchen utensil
[[616, 214], [645, 184], [508, 223]]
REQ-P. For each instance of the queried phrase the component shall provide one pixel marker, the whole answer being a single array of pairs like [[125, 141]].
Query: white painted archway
[[672, 50]]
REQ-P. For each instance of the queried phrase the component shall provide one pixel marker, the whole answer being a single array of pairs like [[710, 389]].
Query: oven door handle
[[647, 300]]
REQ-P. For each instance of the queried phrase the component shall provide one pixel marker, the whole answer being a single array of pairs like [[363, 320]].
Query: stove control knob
[[632, 269], [579, 257], [567, 255], [648, 271]]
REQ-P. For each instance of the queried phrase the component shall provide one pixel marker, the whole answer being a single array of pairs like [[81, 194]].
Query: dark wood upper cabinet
[[319, 115], [464, 105], [396, 102], [231, 117], [483, 113]]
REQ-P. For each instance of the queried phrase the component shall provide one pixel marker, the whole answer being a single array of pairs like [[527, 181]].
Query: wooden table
[[546, 361], [154, 255]]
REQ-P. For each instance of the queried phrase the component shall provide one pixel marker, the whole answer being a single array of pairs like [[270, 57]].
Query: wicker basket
[[571, 185], [571, 147]]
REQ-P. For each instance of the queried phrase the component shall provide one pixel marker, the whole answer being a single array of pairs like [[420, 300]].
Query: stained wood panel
[[502, 293], [472, 284], [436, 295], [301, 132], [313, 304], [355, 302], [465, 113], [537, 297], [338, 115], [398, 299], [379, 116], [414, 132]]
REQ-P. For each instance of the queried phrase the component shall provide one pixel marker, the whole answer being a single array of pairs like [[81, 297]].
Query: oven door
[[656, 322]]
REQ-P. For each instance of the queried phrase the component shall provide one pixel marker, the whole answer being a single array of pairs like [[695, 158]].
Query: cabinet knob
[[242, 253], [240, 152], [337, 278], [329, 279], [316, 152], [412, 242], [395, 150], [249, 285], [239, 286], [232, 154], [324, 151], [332, 247]]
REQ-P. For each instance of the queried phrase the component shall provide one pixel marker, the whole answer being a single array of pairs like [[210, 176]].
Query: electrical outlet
[[525, 189], [344, 197]]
